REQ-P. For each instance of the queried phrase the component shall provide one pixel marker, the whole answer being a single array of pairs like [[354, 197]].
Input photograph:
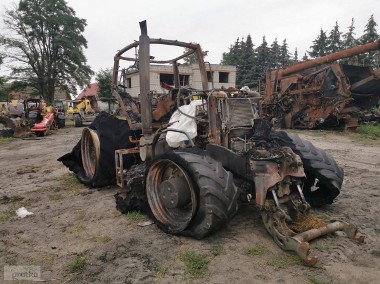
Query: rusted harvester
[[322, 92]]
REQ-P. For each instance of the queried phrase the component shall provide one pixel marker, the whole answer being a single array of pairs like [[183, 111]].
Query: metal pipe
[[330, 58]]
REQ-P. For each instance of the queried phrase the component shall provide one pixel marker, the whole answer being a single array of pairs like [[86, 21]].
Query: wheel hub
[[175, 192]]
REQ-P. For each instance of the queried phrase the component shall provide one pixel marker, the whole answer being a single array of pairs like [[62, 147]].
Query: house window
[[184, 80], [129, 83], [166, 78], [223, 77], [210, 75]]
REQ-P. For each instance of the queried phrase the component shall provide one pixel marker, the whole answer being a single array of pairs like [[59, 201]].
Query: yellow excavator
[[82, 111]]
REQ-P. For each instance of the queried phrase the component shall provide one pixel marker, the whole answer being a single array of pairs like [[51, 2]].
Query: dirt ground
[[77, 236]]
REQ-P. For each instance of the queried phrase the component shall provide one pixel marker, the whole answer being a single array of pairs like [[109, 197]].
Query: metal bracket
[[119, 164]]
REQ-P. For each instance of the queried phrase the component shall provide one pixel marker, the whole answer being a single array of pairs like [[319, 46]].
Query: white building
[[224, 76]]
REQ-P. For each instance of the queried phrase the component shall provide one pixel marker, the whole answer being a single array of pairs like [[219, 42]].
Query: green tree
[[295, 57], [370, 34], [246, 64], [232, 57], [2, 81], [263, 57], [45, 46], [192, 58], [285, 55], [104, 80], [319, 47], [305, 57], [350, 41], [275, 54], [334, 40]]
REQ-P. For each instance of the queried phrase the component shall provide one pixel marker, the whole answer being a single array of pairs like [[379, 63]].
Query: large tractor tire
[[77, 120], [93, 158], [324, 176], [7, 126], [189, 193]]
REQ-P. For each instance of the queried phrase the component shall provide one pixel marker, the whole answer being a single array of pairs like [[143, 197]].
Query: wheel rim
[[171, 195], [90, 148]]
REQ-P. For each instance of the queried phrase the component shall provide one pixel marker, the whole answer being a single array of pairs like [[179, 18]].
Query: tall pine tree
[[320, 45], [232, 56], [349, 41], [295, 57], [334, 40], [370, 34], [263, 55], [285, 55], [275, 54], [247, 63]]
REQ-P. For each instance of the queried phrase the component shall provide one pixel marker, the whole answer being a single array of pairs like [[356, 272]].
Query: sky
[[214, 24]]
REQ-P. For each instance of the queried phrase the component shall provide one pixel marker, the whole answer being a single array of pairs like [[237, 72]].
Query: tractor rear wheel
[[324, 176], [190, 193]]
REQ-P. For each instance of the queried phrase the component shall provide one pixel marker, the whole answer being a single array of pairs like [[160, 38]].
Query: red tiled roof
[[90, 91]]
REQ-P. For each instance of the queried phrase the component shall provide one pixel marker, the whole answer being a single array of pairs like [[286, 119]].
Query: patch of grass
[[55, 197], [70, 183], [327, 243], [26, 203], [216, 249], [5, 216], [116, 213], [314, 280], [69, 180], [101, 239], [5, 139], [196, 264], [134, 216], [28, 169], [255, 250], [11, 261], [78, 228], [324, 218], [372, 130], [46, 258], [76, 265], [161, 271], [284, 261], [366, 134]]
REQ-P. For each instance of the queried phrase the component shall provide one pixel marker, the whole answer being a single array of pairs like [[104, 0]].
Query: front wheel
[[77, 120], [190, 193], [324, 176]]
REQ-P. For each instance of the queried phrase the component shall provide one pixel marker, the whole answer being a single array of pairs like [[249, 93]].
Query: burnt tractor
[[195, 155], [23, 114], [322, 92]]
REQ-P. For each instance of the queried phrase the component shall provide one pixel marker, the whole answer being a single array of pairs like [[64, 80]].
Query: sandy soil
[[77, 236]]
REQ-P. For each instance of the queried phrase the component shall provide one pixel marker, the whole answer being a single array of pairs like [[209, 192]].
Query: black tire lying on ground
[[6, 133], [7, 126], [215, 191], [113, 134], [318, 165]]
